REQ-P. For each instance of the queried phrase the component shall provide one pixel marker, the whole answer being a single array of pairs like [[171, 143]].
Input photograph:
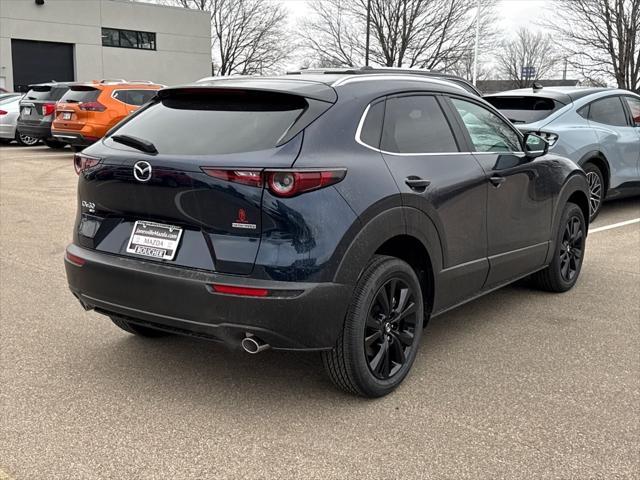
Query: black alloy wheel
[[571, 248], [390, 328]]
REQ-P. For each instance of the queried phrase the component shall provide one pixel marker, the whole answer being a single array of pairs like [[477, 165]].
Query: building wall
[[183, 39]]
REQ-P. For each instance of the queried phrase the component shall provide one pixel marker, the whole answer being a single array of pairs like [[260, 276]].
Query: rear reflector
[[75, 260], [242, 291]]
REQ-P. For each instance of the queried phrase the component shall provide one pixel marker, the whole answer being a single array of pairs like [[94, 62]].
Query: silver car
[[598, 128], [9, 112]]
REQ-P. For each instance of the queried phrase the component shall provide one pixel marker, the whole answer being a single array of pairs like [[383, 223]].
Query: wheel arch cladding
[[399, 232]]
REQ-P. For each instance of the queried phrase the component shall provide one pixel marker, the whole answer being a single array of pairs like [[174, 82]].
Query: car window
[[57, 93], [81, 95], [212, 124], [526, 109], [38, 93], [608, 111], [416, 124], [634, 107], [372, 126], [134, 97], [488, 132]]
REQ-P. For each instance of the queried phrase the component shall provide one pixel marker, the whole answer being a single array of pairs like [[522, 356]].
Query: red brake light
[[245, 177], [2, 112], [288, 183], [82, 162], [48, 109], [281, 183], [92, 107], [74, 259], [243, 291]]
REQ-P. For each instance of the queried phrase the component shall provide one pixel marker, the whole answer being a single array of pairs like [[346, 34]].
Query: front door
[[519, 201], [437, 178]]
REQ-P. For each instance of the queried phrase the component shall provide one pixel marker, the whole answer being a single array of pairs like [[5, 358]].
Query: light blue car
[[598, 128]]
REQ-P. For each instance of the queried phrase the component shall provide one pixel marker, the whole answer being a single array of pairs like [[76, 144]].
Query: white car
[[9, 112]]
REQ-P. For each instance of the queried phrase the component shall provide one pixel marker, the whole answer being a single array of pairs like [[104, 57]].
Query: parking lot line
[[615, 225]]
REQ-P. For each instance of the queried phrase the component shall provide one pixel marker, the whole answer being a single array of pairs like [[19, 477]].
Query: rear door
[[435, 175], [205, 179], [519, 203], [617, 137], [633, 103]]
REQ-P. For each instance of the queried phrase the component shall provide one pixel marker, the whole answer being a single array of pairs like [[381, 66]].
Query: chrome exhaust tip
[[252, 344]]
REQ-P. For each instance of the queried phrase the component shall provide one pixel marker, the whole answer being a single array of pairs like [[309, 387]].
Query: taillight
[[551, 138], [48, 109], [82, 162], [246, 177], [92, 107], [281, 183], [2, 112]]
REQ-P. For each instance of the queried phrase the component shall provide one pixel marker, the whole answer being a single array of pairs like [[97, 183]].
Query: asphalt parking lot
[[518, 384]]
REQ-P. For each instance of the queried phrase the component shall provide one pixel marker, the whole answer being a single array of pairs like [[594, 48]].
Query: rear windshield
[[81, 95], [525, 109], [220, 123], [46, 92]]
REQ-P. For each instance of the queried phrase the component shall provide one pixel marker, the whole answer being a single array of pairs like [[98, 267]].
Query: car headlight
[[551, 138]]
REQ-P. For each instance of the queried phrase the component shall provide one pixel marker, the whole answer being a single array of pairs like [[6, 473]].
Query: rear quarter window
[[216, 124], [134, 97], [608, 111], [526, 109]]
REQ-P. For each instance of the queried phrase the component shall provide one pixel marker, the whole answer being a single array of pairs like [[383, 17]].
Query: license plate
[[154, 240], [66, 115], [27, 111]]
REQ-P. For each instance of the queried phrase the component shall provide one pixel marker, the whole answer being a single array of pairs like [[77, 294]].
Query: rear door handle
[[497, 180], [417, 183]]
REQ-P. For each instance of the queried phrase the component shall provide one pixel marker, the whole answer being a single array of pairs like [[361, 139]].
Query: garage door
[[37, 62]]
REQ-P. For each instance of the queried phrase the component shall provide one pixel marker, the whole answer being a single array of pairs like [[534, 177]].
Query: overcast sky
[[513, 13]]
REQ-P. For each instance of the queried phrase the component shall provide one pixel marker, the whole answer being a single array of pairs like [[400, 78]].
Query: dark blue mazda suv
[[332, 212]]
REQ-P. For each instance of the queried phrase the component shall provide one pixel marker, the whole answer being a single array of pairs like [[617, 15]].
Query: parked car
[[88, 110], [9, 111], [206, 214], [598, 128], [37, 110]]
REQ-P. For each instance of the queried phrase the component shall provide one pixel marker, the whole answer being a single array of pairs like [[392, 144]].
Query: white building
[[84, 40]]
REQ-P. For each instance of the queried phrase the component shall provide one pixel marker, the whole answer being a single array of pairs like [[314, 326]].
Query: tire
[[563, 271], [596, 189], [137, 329], [25, 140], [55, 144], [367, 370]]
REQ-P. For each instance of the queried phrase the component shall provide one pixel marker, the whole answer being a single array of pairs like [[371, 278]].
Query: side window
[[372, 127], [488, 132], [608, 111], [134, 97], [584, 111], [416, 124], [634, 107]]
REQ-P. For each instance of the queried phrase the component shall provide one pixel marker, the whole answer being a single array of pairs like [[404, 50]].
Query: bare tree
[[527, 50], [431, 34], [248, 36], [602, 38]]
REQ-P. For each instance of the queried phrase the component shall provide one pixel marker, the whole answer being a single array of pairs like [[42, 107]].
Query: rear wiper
[[135, 142]]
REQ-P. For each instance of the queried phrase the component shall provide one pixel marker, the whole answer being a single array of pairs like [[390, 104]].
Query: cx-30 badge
[[142, 171]]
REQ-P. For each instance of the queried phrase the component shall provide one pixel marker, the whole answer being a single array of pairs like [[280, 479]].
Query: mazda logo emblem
[[142, 171]]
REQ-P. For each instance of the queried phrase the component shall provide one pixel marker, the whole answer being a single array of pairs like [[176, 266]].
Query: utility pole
[[475, 55], [564, 72], [366, 50]]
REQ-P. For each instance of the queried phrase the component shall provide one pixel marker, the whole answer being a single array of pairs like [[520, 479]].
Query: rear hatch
[[212, 146], [39, 104], [77, 106]]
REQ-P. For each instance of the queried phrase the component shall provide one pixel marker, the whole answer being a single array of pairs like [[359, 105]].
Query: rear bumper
[[41, 131], [296, 316], [73, 138]]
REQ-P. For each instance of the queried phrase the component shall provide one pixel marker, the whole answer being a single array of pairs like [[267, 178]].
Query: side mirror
[[535, 146]]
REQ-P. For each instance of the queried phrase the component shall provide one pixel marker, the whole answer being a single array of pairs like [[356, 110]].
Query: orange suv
[[88, 110]]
